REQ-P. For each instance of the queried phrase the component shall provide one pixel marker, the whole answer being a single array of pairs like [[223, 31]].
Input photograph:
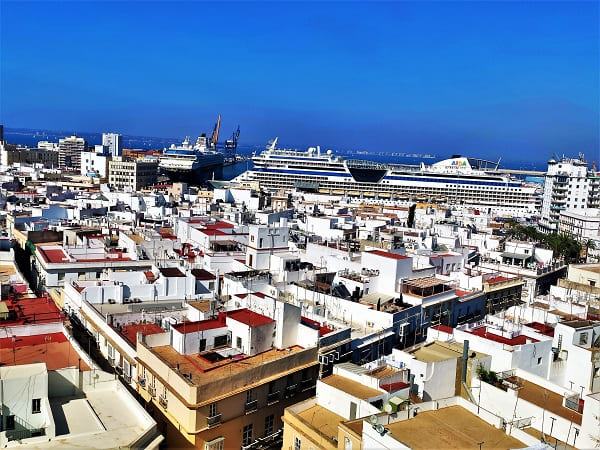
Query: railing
[[111, 361], [142, 382], [273, 397], [213, 420], [305, 385], [127, 378], [290, 391], [152, 391], [23, 430], [251, 406]]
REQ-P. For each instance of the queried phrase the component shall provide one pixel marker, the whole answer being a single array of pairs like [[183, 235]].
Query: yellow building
[[214, 402]]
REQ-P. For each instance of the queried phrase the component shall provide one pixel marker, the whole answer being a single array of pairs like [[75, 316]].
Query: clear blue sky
[[493, 79]]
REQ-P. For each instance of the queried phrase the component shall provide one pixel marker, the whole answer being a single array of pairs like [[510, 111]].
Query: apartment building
[[69, 151], [581, 224], [222, 383], [568, 184], [124, 173]]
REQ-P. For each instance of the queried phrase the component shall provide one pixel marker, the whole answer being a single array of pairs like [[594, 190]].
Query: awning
[[515, 255]]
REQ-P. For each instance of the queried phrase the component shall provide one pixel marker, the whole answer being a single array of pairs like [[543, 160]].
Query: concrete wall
[[189, 343]]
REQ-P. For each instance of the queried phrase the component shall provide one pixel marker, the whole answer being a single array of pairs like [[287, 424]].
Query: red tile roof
[[202, 274], [171, 272], [497, 279], [249, 318], [130, 331], [388, 254]]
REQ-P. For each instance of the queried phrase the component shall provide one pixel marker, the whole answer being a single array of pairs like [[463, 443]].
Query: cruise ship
[[455, 181], [192, 164]]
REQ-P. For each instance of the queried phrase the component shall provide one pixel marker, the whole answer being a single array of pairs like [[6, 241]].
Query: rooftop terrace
[[452, 427]]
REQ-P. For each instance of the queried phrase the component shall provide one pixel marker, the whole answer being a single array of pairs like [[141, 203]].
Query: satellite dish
[[379, 428], [373, 419]]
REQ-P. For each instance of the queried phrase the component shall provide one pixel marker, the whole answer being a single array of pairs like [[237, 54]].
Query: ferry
[[193, 164], [459, 180]]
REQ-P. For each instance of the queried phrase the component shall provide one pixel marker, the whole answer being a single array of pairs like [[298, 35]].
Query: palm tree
[[589, 244]]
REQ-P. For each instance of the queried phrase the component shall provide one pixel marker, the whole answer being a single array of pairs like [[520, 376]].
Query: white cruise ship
[[191, 163], [455, 181]]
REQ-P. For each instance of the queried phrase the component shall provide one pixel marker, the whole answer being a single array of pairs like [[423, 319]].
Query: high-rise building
[[69, 151], [568, 184], [114, 142], [124, 173]]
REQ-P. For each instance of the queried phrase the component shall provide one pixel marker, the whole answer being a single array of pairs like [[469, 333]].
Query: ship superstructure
[[192, 163], [457, 180]]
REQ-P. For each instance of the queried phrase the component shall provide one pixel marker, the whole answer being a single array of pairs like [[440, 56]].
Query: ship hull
[[194, 177]]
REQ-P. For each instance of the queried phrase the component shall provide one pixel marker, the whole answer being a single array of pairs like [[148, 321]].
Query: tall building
[[69, 151], [114, 142], [124, 173], [568, 184]]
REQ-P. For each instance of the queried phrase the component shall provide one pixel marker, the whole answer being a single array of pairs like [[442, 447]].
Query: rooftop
[[171, 272], [351, 387], [323, 421], [578, 323], [452, 427], [27, 310], [248, 317], [437, 351], [130, 331], [516, 340], [201, 370], [54, 349], [548, 400], [202, 274], [388, 254], [201, 325]]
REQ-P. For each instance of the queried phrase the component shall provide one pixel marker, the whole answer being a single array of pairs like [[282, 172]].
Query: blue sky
[[481, 78]]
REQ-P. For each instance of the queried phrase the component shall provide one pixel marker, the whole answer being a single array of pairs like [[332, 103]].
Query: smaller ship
[[192, 164]]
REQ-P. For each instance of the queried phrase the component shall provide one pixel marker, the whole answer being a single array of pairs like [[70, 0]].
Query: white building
[[567, 185], [67, 408], [114, 142], [133, 175], [581, 224]]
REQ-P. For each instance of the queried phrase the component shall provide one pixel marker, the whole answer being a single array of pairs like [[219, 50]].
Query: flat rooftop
[[130, 331], [54, 349], [437, 351], [546, 399], [351, 387], [591, 268], [452, 427], [323, 421], [202, 370]]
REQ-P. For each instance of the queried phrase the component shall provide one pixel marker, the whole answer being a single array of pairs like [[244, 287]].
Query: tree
[[589, 244]]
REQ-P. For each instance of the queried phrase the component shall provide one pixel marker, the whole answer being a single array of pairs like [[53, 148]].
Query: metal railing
[[251, 406], [213, 420], [273, 397]]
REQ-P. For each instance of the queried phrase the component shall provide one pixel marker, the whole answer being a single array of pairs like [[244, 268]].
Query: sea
[[31, 137]]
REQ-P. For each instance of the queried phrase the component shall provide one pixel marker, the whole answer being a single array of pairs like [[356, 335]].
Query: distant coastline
[[30, 137]]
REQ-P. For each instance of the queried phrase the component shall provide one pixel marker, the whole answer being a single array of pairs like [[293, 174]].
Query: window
[[247, 435], [212, 410], [297, 443], [249, 395], [269, 422], [220, 341], [10, 422], [539, 360], [36, 406], [583, 339], [238, 342], [215, 444]]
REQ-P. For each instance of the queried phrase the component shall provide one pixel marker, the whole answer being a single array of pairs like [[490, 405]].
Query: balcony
[[273, 397], [290, 390], [142, 382], [127, 378], [213, 421], [251, 406], [306, 385], [152, 391]]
